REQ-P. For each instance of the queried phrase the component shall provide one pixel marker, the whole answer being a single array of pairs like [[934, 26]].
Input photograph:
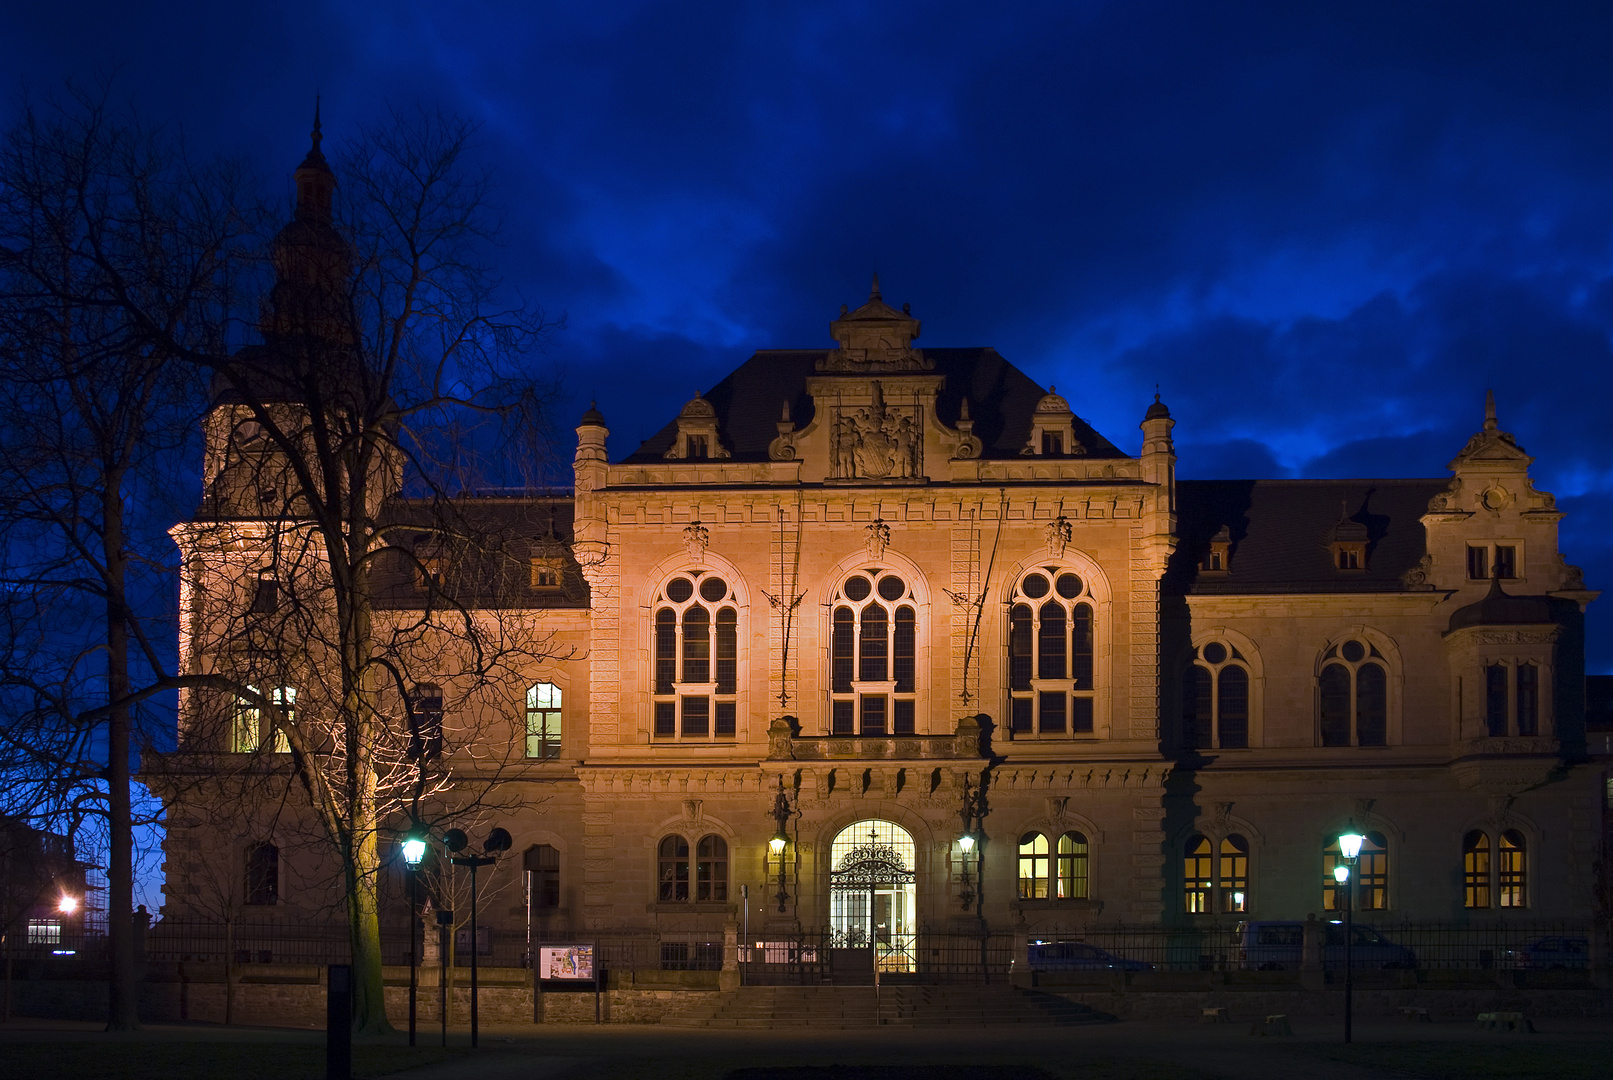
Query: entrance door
[[872, 893]]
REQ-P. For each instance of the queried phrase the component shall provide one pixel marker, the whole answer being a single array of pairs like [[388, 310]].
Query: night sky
[[1323, 232]]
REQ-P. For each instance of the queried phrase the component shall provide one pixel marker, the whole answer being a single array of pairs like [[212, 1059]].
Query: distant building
[[997, 669], [38, 870]]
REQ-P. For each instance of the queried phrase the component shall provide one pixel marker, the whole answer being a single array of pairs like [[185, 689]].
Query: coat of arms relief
[[877, 441]]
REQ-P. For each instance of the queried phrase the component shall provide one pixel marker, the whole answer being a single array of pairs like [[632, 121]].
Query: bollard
[[339, 1022]]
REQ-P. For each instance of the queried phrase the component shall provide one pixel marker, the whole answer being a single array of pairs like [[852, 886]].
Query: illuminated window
[[543, 721], [1051, 649], [1074, 872], [1371, 876], [1476, 870], [1215, 698], [1033, 868], [696, 640], [1353, 696], [251, 731], [873, 655], [1511, 872], [1198, 875], [1232, 878]]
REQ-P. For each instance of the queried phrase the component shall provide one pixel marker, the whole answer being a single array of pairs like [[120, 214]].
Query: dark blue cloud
[[1322, 231]]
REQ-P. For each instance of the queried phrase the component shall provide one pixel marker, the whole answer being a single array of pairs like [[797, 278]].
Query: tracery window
[[1051, 649], [710, 870], [1353, 695], [1232, 880], [1198, 875], [696, 658], [1511, 874], [1495, 869], [1058, 870], [873, 655], [1215, 698], [1476, 869], [543, 721], [1370, 876]]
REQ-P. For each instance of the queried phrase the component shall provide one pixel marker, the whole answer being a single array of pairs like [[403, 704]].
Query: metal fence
[[1430, 946]]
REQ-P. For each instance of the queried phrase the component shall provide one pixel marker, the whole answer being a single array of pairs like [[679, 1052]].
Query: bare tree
[[343, 578], [97, 214]]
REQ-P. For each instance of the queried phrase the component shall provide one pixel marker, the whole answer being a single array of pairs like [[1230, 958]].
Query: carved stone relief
[[878, 442]]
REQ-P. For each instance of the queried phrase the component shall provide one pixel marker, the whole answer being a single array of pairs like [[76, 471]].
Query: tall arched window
[[673, 870], [1233, 877], [1051, 651], [1215, 698], [1371, 875], [1476, 869], [711, 869], [696, 658], [1353, 695], [1074, 867], [543, 721], [263, 875], [425, 722], [1033, 868], [873, 655], [1198, 875], [1511, 874]]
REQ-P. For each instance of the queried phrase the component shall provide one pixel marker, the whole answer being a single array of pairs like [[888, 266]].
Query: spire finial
[[1489, 410], [873, 292]]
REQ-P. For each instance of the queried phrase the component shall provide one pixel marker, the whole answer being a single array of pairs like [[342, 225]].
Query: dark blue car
[[1078, 956], [1557, 952]]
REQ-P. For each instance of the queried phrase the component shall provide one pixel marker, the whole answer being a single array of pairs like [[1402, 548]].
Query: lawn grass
[[1486, 1057], [102, 1060]]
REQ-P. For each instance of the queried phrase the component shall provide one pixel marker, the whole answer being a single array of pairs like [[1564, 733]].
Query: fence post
[[339, 1022]]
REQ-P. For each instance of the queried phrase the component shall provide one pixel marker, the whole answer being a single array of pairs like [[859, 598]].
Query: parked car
[[1280, 946], [1078, 956], [1554, 953]]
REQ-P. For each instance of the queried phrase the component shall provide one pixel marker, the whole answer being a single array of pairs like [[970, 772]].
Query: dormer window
[[696, 439], [545, 574], [695, 448], [1348, 542], [1053, 429], [1218, 559], [1052, 444], [1350, 556]]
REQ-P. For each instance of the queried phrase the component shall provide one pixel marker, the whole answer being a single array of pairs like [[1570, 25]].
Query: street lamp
[[498, 841], [414, 849], [67, 904], [1349, 848], [781, 839]]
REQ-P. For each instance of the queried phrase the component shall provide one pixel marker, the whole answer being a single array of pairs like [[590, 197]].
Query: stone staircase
[[902, 1005]]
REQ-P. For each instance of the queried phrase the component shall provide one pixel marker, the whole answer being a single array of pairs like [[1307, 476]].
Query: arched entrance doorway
[[871, 892]]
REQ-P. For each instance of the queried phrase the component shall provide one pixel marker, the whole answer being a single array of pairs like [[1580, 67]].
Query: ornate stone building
[[905, 613]]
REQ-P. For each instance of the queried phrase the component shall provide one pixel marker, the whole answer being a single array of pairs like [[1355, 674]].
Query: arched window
[[711, 869], [1198, 875], [425, 722], [1033, 876], [263, 875], [1511, 873], [543, 721], [1233, 877], [696, 658], [1353, 695], [873, 655], [1074, 872], [1051, 650], [1215, 698], [1370, 876], [1476, 869], [542, 864], [673, 870]]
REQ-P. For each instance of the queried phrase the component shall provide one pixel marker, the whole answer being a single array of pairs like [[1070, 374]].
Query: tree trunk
[[123, 1005], [364, 926]]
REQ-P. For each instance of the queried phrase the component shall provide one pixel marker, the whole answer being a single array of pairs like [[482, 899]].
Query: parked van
[[1078, 956], [1280, 946]]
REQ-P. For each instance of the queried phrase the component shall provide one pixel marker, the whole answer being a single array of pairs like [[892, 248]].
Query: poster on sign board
[[566, 962]]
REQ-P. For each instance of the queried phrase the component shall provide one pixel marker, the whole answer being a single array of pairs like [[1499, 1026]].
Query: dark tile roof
[[486, 545], [1280, 531], [748, 402]]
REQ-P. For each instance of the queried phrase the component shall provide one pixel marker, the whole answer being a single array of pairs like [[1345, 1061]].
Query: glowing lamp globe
[[967, 843], [1341, 873], [1350, 844], [67, 904], [414, 849], [777, 843]]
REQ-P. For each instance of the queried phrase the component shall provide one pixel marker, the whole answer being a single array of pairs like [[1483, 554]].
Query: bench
[[1276, 1024], [1505, 1021], [1414, 1014], [1215, 1015]]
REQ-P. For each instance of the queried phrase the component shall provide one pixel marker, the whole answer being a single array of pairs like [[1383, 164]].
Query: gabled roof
[[748, 402], [1281, 532]]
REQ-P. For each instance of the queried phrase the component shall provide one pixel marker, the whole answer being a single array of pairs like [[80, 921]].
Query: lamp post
[[781, 838], [414, 849], [1349, 848], [498, 841]]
